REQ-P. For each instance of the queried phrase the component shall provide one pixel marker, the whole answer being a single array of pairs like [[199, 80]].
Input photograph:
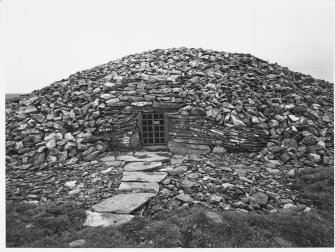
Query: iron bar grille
[[153, 129]]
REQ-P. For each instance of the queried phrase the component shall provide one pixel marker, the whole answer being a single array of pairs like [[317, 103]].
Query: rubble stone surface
[[255, 124]]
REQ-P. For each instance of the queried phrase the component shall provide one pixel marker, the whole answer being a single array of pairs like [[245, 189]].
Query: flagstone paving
[[143, 166], [135, 190], [144, 176]]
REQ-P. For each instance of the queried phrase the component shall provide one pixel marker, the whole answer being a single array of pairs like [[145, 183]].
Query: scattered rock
[[260, 198], [184, 198], [71, 184], [77, 243], [214, 217], [106, 219]]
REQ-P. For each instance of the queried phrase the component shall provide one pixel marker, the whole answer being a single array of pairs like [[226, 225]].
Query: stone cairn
[[239, 101], [69, 135]]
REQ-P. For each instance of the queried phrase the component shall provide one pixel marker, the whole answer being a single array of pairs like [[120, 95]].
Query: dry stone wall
[[213, 99]]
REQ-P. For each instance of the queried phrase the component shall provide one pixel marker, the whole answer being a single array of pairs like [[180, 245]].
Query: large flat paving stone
[[123, 203], [145, 156], [142, 166], [143, 176], [139, 187], [94, 219]]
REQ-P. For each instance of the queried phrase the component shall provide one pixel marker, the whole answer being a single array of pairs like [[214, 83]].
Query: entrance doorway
[[154, 128]]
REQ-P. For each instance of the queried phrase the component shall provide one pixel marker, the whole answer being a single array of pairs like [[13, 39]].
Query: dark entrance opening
[[154, 128]]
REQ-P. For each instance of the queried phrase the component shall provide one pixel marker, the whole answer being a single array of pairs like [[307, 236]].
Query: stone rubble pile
[[116, 187], [60, 124]]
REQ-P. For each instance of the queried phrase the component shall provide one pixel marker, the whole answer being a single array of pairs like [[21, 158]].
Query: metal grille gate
[[153, 128]]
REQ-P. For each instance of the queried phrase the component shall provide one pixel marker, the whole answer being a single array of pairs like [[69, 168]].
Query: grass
[[317, 185], [58, 225]]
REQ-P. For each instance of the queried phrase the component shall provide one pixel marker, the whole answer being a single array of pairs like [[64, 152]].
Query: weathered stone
[[141, 104], [107, 159], [236, 121], [123, 203], [39, 159], [184, 198], [184, 148], [38, 117], [139, 187], [109, 85], [328, 160], [310, 140], [144, 156], [314, 157], [215, 198], [273, 171], [214, 217], [174, 170], [91, 156], [107, 96], [144, 176], [51, 143], [106, 219], [273, 124], [198, 111], [219, 150], [285, 157], [112, 101], [178, 159], [167, 105], [71, 184], [293, 118], [142, 166], [108, 170], [290, 143], [187, 183], [194, 175], [22, 167], [77, 243], [260, 198]]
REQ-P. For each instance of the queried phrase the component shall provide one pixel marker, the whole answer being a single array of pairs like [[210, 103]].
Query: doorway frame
[[166, 130]]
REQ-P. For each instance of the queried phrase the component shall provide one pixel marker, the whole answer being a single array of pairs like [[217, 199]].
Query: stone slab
[[142, 166], [115, 163], [145, 156], [139, 187], [106, 219], [123, 203], [144, 176], [174, 170], [185, 148], [107, 159]]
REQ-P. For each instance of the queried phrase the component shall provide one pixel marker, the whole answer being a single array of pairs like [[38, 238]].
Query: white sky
[[48, 40]]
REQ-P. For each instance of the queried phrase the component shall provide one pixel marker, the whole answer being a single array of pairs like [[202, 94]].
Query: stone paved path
[[138, 184]]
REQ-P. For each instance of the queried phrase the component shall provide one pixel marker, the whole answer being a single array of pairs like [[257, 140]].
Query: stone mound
[[250, 105]]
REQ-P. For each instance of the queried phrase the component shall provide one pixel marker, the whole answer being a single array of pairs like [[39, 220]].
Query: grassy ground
[[56, 226]]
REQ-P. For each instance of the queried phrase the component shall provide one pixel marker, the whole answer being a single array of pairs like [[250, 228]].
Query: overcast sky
[[47, 40]]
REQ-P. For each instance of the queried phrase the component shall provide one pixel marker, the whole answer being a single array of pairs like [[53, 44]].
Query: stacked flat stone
[[96, 110]]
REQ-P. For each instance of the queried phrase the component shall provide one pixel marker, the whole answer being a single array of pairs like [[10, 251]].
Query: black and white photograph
[[137, 124]]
